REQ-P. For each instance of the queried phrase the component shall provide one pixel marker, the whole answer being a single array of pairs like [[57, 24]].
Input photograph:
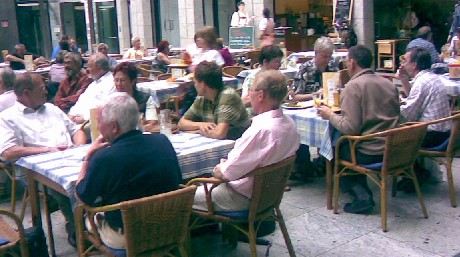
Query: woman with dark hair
[[266, 27], [125, 78], [240, 18], [161, 61]]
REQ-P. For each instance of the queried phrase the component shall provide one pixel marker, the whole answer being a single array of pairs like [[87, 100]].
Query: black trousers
[[356, 185], [435, 138]]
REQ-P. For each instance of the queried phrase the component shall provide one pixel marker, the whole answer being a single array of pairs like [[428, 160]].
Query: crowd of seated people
[[215, 111]]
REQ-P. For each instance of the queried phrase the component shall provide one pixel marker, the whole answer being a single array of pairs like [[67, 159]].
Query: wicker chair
[[143, 79], [447, 150], [164, 76], [9, 171], [232, 71], [267, 192], [401, 150], [153, 226], [148, 73], [16, 236], [253, 56]]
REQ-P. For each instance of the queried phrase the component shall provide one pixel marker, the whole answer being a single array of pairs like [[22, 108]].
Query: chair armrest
[[16, 220], [208, 191]]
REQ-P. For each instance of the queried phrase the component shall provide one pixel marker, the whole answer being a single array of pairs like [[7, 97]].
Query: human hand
[[97, 145], [207, 127], [324, 112]]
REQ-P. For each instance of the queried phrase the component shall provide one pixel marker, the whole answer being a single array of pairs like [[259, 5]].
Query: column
[[190, 20], [363, 22], [124, 33]]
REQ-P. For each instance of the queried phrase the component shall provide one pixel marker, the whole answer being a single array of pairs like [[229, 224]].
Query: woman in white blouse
[[206, 39], [266, 27], [240, 18]]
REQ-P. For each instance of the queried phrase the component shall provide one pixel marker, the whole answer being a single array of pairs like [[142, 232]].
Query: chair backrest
[[164, 76], [143, 79], [254, 56], [402, 146], [268, 187], [454, 142], [232, 71], [157, 221]]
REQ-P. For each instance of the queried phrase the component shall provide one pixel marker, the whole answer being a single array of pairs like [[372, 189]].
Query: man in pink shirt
[[271, 138]]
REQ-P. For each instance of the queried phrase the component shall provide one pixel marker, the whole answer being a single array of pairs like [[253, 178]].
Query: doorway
[[107, 25]]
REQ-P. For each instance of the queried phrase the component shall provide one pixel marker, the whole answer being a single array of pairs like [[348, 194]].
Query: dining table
[[289, 72], [197, 155], [4, 64], [37, 71], [162, 89], [315, 132], [336, 56]]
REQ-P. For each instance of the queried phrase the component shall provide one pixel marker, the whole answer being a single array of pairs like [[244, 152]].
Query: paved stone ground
[[316, 231]]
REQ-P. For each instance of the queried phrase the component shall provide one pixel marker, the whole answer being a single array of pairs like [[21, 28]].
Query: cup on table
[[317, 99], [165, 122]]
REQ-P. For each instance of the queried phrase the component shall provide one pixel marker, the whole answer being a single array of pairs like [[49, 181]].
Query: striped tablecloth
[[163, 89], [197, 155], [288, 72], [452, 86], [313, 130]]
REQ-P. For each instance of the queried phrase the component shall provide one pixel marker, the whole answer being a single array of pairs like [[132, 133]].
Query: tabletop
[[197, 155], [161, 89], [313, 130], [3, 65], [289, 72], [37, 71]]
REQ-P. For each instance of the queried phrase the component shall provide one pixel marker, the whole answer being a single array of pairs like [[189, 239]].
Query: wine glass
[[62, 143]]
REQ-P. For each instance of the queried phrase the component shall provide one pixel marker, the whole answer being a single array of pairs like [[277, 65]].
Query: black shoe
[[71, 236], [406, 185], [359, 207]]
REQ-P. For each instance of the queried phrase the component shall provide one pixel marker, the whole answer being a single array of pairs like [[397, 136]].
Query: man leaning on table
[[218, 111], [272, 137], [102, 86], [370, 104], [122, 172], [32, 126]]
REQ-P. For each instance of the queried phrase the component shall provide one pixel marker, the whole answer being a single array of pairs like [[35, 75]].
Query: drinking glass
[[165, 122], [317, 99], [62, 143]]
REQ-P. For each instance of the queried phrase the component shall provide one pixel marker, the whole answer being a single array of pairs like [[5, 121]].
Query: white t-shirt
[[239, 19], [267, 24], [210, 56]]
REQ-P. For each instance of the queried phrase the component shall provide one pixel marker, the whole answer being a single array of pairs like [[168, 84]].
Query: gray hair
[[76, 57], [102, 61], [121, 108], [8, 77], [324, 44], [272, 82], [103, 44], [134, 39], [18, 46]]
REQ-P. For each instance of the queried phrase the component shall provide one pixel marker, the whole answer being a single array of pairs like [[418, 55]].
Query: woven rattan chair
[[401, 150], [9, 171], [143, 79], [253, 57], [232, 71], [153, 226], [164, 76], [148, 73], [16, 236], [267, 192], [447, 151]]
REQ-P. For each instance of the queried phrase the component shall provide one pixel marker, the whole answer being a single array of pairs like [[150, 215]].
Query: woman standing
[[266, 27], [240, 18]]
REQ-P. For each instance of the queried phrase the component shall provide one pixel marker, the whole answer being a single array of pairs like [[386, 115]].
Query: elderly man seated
[[74, 84], [32, 126], [424, 40], [218, 111], [122, 172], [271, 138], [16, 59], [102, 86]]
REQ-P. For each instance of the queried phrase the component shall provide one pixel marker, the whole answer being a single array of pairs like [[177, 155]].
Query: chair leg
[[336, 193], [383, 203], [252, 239], [450, 180], [394, 184], [13, 190], [25, 199], [419, 193], [283, 228]]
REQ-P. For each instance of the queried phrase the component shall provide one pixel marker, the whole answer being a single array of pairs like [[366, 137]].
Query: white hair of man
[[324, 44], [19, 46], [121, 108], [8, 78], [101, 61], [133, 39]]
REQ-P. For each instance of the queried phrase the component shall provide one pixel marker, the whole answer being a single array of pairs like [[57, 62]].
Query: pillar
[[363, 22]]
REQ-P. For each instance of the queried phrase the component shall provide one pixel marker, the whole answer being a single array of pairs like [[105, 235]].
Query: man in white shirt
[[7, 96], [102, 86], [32, 126]]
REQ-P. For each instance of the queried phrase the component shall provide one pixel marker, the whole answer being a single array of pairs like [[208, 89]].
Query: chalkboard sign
[[240, 37], [342, 11]]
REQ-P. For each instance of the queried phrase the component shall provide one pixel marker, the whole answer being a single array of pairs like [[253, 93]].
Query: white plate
[[299, 105]]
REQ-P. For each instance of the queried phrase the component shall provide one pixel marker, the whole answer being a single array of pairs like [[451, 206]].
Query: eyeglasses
[[119, 80]]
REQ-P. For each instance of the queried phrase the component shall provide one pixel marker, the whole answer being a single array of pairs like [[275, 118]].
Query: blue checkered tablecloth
[[197, 155], [161, 89], [313, 130], [452, 86]]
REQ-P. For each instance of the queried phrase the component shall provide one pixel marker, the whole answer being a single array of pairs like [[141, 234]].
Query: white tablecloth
[[38, 71], [197, 155], [288, 72]]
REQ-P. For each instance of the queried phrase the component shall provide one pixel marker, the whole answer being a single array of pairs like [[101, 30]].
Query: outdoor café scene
[[288, 128]]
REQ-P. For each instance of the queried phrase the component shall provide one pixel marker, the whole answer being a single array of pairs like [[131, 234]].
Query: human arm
[[412, 110], [164, 58], [15, 152], [12, 58], [99, 144], [79, 138], [247, 85], [76, 118], [404, 78], [66, 102], [129, 54], [218, 131], [189, 125]]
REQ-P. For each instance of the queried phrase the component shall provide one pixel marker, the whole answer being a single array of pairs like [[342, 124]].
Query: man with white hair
[[102, 86], [137, 51], [121, 172]]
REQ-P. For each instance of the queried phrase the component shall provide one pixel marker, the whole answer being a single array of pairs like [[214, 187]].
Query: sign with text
[[240, 37], [342, 10]]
